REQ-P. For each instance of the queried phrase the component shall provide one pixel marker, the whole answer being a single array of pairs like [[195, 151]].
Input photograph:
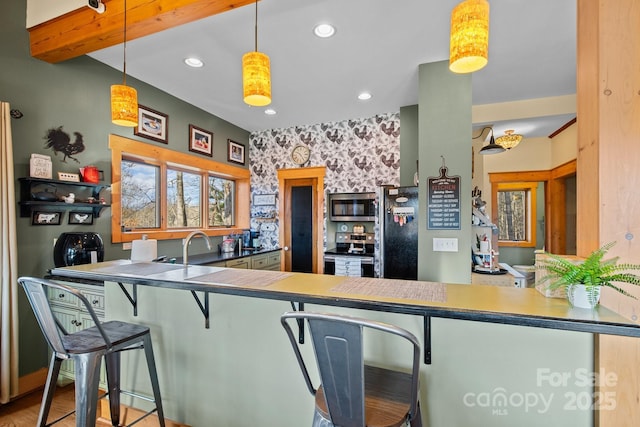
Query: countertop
[[505, 305], [211, 257]]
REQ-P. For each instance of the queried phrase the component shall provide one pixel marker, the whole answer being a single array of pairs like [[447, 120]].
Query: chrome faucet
[[187, 240]]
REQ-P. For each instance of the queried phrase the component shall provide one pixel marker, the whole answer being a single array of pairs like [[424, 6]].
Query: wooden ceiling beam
[[83, 30]]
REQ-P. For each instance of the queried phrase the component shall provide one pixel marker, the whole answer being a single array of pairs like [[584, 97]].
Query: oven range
[[352, 256]]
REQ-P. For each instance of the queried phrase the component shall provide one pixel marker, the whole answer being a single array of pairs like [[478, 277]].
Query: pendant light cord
[[124, 50], [256, 31]]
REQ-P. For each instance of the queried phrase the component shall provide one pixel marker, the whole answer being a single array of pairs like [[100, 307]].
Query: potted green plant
[[582, 281]]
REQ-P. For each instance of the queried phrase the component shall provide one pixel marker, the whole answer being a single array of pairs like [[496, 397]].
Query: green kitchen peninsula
[[241, 371]]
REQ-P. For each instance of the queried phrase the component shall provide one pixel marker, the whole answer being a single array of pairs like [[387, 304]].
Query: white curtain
[[8, 264]]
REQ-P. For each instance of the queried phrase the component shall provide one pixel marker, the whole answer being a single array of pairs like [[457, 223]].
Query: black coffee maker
[[78, 248]]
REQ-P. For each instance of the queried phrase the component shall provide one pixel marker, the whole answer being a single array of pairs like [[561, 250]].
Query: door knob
[[286, 248]]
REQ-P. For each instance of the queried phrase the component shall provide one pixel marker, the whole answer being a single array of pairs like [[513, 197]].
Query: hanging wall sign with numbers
[[443, 195]]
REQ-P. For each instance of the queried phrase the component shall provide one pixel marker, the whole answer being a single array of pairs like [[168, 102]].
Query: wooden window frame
[[129, 148], [531, 205]]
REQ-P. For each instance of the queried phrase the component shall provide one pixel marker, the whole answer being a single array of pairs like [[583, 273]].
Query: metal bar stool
[[352, 393], [86, 347]]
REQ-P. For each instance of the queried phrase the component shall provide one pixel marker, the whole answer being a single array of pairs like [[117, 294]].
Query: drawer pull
[[95, 302], [61, 296]]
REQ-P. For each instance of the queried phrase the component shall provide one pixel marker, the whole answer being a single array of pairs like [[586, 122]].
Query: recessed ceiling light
[[270, 112], [194, 62], [324, 30], [364, 96]]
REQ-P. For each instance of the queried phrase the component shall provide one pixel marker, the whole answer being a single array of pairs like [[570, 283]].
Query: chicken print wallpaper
[[359, 155]]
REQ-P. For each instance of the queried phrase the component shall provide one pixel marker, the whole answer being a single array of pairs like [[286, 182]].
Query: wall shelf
[[28, 204]]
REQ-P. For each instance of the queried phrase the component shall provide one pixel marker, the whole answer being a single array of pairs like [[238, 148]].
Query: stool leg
[[153, 375], [416, 421], [49, 390], [112, 360], [87, 372]]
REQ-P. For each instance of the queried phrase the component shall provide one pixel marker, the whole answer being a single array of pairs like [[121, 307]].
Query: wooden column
[[608, 177]]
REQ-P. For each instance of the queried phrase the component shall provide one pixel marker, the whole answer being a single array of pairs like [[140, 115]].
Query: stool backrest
[[338, 345], [36, 290]]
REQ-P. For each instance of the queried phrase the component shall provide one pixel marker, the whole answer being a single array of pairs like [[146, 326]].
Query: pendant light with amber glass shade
[[509, 139], [256, 75], [469, 42], [124, 99]]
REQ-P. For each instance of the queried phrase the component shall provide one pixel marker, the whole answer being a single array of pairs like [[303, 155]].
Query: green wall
[[75, 94], [444, 132]]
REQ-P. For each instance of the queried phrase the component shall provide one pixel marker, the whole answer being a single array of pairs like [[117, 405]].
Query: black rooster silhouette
[[282, 142], [59, 141]]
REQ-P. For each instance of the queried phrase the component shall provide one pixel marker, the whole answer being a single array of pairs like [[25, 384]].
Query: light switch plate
[[441, 244], [126, 246]]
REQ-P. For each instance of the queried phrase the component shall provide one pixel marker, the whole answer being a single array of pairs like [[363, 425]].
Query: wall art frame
[[152, 125], [45, 218], [235, 152], [200, 141], [82, 218]]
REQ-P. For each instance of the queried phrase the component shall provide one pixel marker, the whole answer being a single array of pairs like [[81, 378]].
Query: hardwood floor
[[23, 412]]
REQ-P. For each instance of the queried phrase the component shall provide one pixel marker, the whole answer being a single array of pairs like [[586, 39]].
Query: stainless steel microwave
[[352, 207]]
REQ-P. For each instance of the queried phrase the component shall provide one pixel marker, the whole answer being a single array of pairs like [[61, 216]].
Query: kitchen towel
[[348, 266]]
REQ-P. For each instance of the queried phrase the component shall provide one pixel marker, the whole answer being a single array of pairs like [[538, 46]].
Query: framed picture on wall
[[83, 218], [45, 218], [235, 152], [152, 125], [200, 141]]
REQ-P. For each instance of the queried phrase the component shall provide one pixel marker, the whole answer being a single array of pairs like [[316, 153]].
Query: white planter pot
[[579, 296]]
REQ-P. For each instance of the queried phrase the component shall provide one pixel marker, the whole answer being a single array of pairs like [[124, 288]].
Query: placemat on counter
[[139, 269], [238, 277], [394, 288]]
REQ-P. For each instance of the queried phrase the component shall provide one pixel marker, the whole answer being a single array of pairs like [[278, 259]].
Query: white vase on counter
[[581, 296]]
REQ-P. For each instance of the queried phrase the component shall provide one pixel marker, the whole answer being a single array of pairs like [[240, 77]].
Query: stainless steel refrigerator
[[398, 218]]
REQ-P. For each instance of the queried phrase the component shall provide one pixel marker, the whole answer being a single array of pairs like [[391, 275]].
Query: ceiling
[[377, 48]]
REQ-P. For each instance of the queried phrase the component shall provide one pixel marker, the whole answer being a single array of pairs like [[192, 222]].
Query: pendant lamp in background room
[[256, 75], [469, 42], [124, 99], [509, 139], [492, 148]]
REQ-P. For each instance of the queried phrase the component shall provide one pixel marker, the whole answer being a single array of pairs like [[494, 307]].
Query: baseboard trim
[[129, 414], [32, 382]]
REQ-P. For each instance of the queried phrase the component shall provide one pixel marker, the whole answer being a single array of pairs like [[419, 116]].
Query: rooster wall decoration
[[60, 141]]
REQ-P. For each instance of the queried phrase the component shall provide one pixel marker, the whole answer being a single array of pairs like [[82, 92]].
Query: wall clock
[[300, 154]]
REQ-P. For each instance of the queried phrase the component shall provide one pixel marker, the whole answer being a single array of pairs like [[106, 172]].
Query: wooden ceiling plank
[[84, 31]]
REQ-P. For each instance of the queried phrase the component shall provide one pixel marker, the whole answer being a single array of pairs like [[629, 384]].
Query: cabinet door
[[239, 263], [273, 261], [63, 298], [259, 262], [96, 299], [217, 264]]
